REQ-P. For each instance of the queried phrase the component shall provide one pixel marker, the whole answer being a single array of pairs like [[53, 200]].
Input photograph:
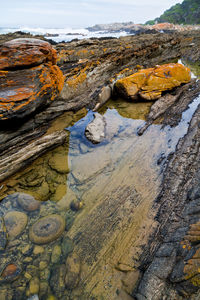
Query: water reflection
[[131, 110]]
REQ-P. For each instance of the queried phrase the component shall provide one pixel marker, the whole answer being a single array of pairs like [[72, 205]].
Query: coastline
[[120, 261]]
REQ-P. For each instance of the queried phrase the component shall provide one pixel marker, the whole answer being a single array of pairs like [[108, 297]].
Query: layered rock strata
[[172, 260], [170, 263]]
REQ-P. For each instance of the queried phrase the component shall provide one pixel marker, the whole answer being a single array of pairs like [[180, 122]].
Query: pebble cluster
[[37, 257]]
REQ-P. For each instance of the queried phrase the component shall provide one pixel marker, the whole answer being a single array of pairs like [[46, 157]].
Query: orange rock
[[164, 26], [150, 83], [25, 52], [37, 82], [9, 270]]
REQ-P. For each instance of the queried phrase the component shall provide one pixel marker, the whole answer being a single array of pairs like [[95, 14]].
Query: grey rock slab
[[95, 131]]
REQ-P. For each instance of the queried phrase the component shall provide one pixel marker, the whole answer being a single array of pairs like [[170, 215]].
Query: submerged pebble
[[56, 254], [73, 269], [10, 272], [47, 229], [34, 286], [27, 202], [3, 235], [67, 246], [38, 250], [15, 222], [76, 205]]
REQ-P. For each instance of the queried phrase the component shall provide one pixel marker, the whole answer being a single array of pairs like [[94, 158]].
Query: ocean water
[[63, 34]]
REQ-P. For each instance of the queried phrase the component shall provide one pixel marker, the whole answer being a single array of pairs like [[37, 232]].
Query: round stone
[[10, 273], [15, 222], [47, 229], [27, 202], [76, 205]]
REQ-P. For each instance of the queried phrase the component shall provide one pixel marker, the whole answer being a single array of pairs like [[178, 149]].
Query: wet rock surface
[[29, 153], [172, 259], [175, 103]]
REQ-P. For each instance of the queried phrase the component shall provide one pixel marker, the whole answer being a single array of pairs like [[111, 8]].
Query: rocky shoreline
[[172, 257], [90, 67], [167, 265]]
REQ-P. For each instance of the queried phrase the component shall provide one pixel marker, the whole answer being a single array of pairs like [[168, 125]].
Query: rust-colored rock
[[29, 77], [165, 26], [25, 52], [150, 83], [9, 272]]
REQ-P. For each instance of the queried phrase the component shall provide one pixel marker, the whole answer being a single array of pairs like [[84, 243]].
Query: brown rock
[[150, 83]]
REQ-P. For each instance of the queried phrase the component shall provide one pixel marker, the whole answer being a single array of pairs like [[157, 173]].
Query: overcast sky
[[79, 13]]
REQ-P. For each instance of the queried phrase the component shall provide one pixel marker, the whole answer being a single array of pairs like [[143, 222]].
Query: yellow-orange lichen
[[125, 71], [150, 83], [77, 79], [63, 55], [52, 78], [82, 52], [79, 76]]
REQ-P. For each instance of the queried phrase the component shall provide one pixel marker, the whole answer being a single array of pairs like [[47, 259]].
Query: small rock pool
[[74, 223]]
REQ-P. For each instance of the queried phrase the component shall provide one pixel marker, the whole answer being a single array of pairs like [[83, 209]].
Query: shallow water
[[102, 192], [194, 67]]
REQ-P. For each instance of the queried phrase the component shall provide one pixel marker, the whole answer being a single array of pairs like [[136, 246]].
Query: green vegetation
[[188, 12]]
